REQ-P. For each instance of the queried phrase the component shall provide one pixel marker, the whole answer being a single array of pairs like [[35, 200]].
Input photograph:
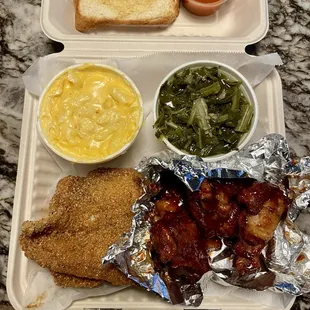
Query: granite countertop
[[22, 41]]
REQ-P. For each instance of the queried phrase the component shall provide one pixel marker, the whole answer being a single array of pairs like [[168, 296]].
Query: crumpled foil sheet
[[287, 255]]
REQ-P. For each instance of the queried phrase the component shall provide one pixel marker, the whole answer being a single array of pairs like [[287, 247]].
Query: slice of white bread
[[90, 14]]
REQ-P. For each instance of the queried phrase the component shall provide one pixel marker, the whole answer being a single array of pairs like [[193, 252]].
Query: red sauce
[[202, 7]]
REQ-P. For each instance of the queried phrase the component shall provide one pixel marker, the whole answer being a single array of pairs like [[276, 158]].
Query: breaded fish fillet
[[65, 280], [86, 216]]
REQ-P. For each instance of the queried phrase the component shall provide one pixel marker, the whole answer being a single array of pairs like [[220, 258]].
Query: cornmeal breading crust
[[86, 216]]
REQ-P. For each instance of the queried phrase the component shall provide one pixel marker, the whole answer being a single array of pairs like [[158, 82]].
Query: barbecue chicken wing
[[269, 208], [242, 214]]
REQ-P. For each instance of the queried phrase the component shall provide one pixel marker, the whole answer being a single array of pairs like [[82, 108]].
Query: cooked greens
[[203, 112]]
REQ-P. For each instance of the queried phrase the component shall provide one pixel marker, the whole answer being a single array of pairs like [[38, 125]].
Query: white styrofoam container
[[238, 23], [38, 171]]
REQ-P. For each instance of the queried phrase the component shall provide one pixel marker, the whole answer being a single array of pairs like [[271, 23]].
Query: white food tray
[[37, 172], [238, 22]]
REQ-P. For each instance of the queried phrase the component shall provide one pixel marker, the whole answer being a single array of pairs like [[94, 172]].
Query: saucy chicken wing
[[260, 225], [213, 210], [242, 214]]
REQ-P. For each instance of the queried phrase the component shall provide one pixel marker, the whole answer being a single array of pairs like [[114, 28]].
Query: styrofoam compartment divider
[[238, 23]]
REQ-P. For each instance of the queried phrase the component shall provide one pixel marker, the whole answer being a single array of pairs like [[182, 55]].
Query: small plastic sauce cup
[[203, 7]]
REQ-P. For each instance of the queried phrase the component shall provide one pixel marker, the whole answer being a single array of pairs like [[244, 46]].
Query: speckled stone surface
[[289, 35], [22, 41]]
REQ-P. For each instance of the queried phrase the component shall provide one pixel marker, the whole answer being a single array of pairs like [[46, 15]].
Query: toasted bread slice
[[91, 14]]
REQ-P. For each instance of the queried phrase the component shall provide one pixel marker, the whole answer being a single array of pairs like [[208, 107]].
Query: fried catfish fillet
[[86, 216], [65, 280]]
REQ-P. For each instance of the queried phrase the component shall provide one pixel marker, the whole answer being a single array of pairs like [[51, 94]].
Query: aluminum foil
[[287, 255]]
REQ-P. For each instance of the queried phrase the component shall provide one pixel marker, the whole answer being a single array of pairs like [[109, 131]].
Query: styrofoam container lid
[[237, 24]]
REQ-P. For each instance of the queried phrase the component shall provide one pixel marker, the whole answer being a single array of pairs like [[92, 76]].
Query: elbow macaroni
[[90, 112]]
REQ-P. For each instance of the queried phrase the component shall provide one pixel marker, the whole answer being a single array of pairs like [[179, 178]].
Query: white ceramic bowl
[[97, 160], [246, 89]]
